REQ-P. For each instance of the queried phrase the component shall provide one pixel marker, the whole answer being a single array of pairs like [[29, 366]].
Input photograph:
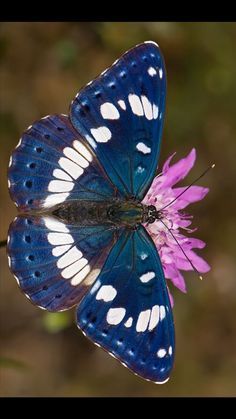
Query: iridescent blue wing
[[55, 264], [121, 113], [52, 164], [128, 312]]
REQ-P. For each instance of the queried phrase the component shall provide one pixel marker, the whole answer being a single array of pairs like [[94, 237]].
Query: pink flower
[[160, 194]]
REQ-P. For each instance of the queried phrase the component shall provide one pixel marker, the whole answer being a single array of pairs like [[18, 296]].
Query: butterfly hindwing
[[128, 312], [121, 115], [54, 263], [53, 164]]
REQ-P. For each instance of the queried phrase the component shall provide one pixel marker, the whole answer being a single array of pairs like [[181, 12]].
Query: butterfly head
[[151, 214]]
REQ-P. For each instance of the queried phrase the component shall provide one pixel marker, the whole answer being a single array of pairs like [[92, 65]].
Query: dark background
[[42, 66]]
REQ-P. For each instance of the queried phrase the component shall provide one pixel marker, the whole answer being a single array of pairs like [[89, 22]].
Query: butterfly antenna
[[195, 269], [191, 184], [3, 243]]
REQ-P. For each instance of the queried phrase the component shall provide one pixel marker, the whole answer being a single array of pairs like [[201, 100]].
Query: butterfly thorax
[[117, 212]]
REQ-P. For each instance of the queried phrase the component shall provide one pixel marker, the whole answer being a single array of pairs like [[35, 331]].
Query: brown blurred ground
[[42, 66]]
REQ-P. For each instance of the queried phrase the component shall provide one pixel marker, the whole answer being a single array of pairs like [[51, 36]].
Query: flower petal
[[166, 165], [179, 170], [192, 243], [170, 297], [193, 194], [175, 276], [200, 264]]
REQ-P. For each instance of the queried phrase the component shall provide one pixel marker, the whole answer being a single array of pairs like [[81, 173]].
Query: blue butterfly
[[79, 239]]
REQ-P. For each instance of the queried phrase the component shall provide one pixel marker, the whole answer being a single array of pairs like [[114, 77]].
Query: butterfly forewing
[[54, 164], [121, 115]]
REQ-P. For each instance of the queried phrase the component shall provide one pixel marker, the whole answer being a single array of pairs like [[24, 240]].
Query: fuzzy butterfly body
[[79, 239]]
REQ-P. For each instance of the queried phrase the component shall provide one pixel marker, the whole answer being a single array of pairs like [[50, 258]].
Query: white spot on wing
[[162, 312], [160, 73], [55, 199], [70, 257], [8, 183], [140, 169], [103, 72], [75, 157], [151, 71], [17, 280], [147, 108], [70, 167], [151, 42], [122, 104], [170, 351], [59, 250], [60, 186], [55, 225], [143, 320], [10, 161], [83, 150], [143, 256], [147, 276], [129, 322], [74, 268], [115, 315], [155, 111], [92, 276], [80, 275], [60, 174], [161, 353], [101, 134], [91, 141], [135, 104], [19, 143], [106, 293], [162, 382], [9, 261], [109, 111], [60, 238], [143, 148], [154, 319]]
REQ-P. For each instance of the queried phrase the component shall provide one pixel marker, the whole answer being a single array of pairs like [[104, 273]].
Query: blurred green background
[[42, 66]]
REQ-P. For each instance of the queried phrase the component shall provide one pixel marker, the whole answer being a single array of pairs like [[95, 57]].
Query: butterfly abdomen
[[126, 213], [82, 213]]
